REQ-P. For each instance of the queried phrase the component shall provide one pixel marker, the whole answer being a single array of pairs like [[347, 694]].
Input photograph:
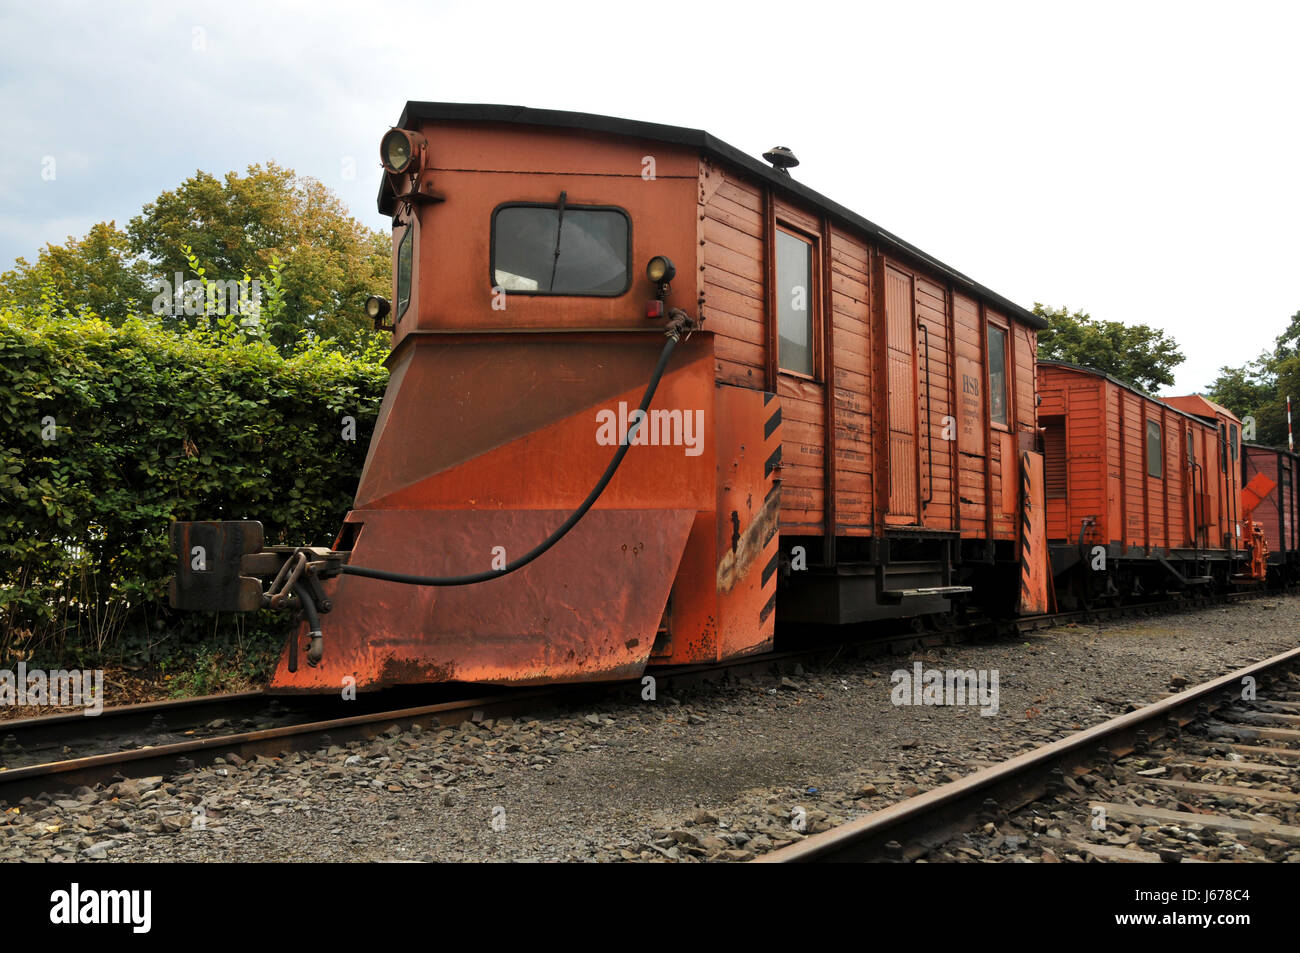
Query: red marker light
[[654, 309]]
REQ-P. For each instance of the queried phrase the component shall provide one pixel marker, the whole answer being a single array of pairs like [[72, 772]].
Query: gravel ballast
[[717, 773]]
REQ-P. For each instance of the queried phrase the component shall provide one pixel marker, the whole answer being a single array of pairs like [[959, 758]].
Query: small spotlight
[[377, 309], [660, 270], [399, 150]]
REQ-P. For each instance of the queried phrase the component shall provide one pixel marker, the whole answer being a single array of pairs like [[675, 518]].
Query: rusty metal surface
[[208, 566], [720, 597], [586, 611], [486, 442], [500, 420]]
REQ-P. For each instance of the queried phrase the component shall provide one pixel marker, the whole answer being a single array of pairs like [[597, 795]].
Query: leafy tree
[[288, 232], [97, 273], [1288, 342], [1136, 353], [1259, 389], [238, 225]]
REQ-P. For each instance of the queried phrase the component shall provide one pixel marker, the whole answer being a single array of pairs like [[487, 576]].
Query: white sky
[[1134, 160]]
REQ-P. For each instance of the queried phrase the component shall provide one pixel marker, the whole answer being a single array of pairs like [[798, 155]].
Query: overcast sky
[[1134, 160]]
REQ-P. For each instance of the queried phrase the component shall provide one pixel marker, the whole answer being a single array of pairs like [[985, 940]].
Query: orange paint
[[487, 437]]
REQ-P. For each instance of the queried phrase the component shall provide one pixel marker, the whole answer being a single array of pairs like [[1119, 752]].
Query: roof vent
[[782, 159]]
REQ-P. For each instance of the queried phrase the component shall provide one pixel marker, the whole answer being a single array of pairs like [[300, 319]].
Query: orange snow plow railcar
[[844, 430]]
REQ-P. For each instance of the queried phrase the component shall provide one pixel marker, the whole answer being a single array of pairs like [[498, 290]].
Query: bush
[[107, 434]]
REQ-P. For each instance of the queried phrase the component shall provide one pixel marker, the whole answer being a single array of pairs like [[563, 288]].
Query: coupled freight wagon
[[648, 396], [1142, 495]]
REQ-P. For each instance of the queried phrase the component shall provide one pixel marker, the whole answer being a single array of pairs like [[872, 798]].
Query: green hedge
[[151, 425]]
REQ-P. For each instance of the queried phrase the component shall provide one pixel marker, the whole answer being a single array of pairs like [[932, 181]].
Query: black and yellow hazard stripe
[[772, 500]]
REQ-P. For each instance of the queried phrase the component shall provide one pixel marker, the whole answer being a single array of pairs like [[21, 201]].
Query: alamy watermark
[[932, 686], [128, 907], [210, 296], [75, 688], [658, 428]]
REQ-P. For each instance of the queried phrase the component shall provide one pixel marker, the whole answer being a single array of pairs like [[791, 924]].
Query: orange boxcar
[[1142, 494]]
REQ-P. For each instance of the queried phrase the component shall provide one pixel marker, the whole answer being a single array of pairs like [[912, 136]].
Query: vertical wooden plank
[[900, 346], [1146, 477], [850, 309], [918, 491], [880, 395], [1165, 468], [954, 458], [1123, 467], [831, 461], [987, 424]]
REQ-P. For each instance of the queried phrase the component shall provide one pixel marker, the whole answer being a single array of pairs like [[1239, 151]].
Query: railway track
[[65, 751], [297, 732], [60, 752], [1200, 774], [26, 742], [38, 740]]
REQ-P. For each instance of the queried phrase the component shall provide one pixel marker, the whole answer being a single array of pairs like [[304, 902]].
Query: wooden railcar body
[[1137, 480], [880, 476], [894, 463]]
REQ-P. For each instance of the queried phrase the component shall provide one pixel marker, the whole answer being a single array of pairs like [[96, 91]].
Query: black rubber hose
[[556, 536], [317, 649]]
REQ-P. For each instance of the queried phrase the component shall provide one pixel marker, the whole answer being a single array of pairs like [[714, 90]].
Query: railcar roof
[[1093, 372], [1200, 405], [707, 144], [1280, 451]]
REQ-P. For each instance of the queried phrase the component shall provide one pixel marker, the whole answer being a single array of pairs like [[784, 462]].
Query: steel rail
[[909, 828], [48, 729], [167, 759]]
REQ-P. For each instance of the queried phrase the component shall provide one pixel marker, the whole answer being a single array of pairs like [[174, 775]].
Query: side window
[[1155, 455], [794, 304], [1232, 441], [405, 249], [998, 396], [1222, 433], [561, 249]]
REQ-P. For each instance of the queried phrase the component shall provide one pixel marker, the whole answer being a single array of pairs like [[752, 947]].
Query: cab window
[[405, 250], [561, 249]]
